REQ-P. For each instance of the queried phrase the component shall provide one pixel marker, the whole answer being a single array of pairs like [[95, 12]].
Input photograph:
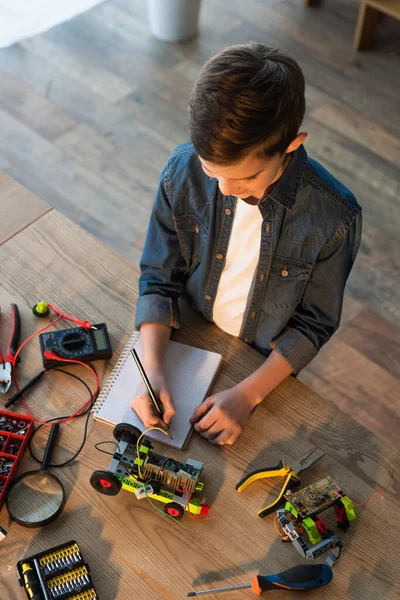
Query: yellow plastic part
[[41, 307], [283, 491], [67, 577], [264, 474], [86, 595], [62, 552]]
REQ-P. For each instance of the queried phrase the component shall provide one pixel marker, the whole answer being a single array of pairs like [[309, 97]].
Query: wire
[[364, 501], [78, 412], [368, 497], [159, 509], [137, 445], [276, 527], [63, 419], [105, 451]]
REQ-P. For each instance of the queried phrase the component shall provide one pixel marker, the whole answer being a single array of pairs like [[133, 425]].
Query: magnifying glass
[[36, 498]]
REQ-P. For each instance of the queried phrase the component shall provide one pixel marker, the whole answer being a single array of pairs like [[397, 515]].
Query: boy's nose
[[228, 188]]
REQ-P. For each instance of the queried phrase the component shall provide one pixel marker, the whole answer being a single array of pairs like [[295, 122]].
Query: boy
[[260, 237]]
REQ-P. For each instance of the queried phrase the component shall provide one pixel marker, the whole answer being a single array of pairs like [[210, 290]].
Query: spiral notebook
[[190, 374]]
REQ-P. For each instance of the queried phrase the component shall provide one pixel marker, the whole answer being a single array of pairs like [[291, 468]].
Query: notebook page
[[189, 372]]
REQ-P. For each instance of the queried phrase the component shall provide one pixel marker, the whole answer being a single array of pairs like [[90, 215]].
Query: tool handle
[[281, 470], [15, 334], [50, 445], [31, 582], [291, 482], [22, 391], [300, 577]]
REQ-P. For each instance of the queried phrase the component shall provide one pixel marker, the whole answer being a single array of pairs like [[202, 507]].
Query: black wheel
[[127, 433], [175, 510], [105, 483]]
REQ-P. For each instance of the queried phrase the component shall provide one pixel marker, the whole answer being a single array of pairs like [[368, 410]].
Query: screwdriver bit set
[[58, 574], [15, 430]]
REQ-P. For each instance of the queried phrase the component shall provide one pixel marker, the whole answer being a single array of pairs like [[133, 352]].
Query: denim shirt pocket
[[286, 284], [191, 236]]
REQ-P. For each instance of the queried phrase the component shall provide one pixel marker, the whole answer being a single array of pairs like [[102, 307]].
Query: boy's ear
[[298, 140]]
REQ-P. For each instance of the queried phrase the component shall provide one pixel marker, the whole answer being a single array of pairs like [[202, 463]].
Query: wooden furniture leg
[[365, 28]]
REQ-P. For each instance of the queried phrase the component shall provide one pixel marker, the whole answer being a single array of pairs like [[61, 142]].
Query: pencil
[[147, 383]]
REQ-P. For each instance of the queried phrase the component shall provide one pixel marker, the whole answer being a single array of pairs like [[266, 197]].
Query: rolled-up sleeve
[[317, 317], [163, 269]]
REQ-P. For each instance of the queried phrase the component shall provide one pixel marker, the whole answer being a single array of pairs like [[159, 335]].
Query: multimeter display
[[77, 344], [100, 339]]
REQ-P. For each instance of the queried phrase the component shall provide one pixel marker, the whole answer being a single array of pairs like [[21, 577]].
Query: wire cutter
[[7, 362], [281, 470]]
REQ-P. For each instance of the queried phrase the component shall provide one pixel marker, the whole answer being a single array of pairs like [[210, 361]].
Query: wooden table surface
[[134, 552]]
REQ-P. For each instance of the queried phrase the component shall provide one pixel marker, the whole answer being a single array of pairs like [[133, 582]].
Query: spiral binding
[[114, 373]]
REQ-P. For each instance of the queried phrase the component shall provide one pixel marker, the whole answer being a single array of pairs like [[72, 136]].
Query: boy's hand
[[143, 406], [221, 418]]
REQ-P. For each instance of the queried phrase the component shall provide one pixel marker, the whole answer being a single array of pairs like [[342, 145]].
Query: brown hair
[[247, 97]]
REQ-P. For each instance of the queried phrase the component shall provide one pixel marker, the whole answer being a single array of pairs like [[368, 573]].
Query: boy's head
[[245, 112]]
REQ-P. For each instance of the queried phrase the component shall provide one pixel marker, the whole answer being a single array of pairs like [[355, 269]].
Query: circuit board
[[173, 473], [315, 498]]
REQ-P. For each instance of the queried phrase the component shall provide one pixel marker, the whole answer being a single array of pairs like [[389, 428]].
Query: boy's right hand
[[143, 406]]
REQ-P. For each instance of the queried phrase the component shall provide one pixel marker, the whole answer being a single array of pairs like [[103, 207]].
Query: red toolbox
[[15, 430]]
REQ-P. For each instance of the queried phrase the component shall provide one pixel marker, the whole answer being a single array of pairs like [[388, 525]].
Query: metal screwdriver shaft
[[217, 590]]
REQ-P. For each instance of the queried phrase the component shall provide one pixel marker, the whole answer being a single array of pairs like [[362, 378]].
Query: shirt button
[[284, 272], [253, 314], [208, 297], [246, 340], [261, 277], [228, 211], [219, 256]]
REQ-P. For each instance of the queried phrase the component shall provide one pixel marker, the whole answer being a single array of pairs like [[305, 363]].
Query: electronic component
[[167, 480], [315, 498], [301, 515], [77, 343]]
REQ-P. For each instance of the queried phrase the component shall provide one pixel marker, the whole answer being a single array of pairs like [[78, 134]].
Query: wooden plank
[[18, 208], [117, 533], [84, 190], [34, 109], [353, 125], [118, 165], [100, 80], [70, 93], [357, 385], [376, 338]]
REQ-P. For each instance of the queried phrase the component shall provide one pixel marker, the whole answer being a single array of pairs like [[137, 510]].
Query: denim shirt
[[310, 236]]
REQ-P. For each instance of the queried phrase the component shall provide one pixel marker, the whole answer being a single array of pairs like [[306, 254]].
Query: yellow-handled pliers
[[281, 470]]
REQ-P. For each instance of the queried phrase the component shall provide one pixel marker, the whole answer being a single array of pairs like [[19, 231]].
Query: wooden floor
[[90, 110]]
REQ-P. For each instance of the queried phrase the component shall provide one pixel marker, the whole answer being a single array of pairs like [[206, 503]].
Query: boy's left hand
[[221, 418]]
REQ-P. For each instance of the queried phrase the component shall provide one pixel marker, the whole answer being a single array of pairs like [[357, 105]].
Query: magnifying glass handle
[[50, 445]]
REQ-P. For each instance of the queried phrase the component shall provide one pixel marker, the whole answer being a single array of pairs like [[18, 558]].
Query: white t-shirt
[[241, 261]]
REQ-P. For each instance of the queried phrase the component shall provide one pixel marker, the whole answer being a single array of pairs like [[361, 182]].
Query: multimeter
[[76, 344]]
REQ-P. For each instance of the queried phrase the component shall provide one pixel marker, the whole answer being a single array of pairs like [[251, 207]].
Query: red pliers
[[7, 362]]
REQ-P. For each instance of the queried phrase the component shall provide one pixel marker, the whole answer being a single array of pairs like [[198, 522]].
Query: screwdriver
[[300, 577]]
